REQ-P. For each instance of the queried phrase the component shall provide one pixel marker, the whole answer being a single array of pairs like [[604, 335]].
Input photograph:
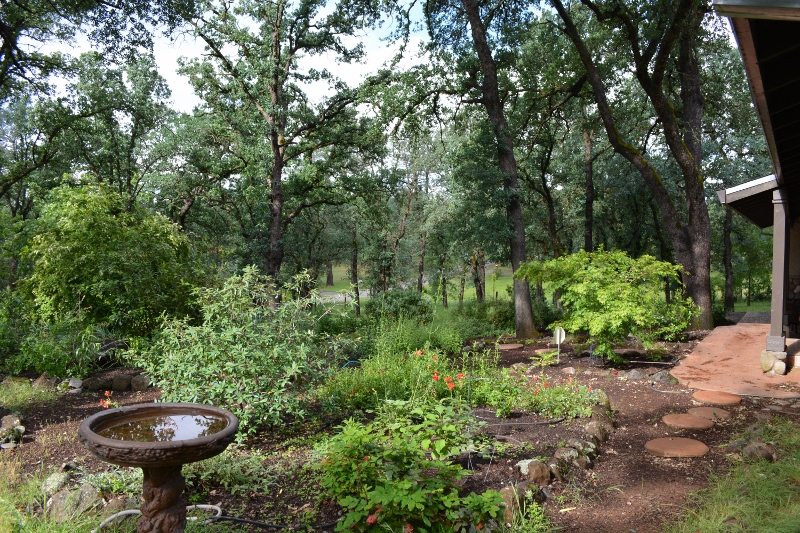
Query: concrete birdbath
[[159, 438]]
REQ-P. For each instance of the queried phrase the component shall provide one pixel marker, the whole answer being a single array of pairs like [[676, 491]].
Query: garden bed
[[626, 490]]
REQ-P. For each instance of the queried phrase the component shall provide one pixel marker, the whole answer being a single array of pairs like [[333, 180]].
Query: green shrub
[[398, 303], [545, 313], [66, 347], [257, 361], [239, 472], [569, 399], [386, 481], [91, 257], [497, 313], [610, 296]]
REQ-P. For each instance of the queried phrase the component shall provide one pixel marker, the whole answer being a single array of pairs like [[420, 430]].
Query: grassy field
[[741, 306]]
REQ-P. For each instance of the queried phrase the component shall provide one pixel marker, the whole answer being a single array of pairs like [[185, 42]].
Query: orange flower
[[419, 352], [435, 357], [451, 385], [461, 376], [448, 379], [435, 377]]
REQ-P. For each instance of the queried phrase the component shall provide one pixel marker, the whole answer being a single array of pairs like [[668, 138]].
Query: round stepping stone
[[676, 447], [713, 397], [712, 413], [505, 347], [687, 421]]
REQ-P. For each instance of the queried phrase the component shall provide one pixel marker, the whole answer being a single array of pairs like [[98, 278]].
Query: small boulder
[[570, 370], [538, 473], [636, 375], [140, 383], [598, 430], [567, 455], [54, 483], [10, 421], [558, 468], [121, 383], [96, 384], [45, 382], [75, 383], [664, 377], [759, 450]]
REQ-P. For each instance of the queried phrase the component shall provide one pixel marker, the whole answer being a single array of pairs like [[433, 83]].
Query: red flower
[[371, 519], [616, 372], [479, 526], [448, 379], [435, 376], [435, 357], [366, 458], [419, 352], [108, 394], [408, 528], [451, 385], [544, 384], [461, 376]]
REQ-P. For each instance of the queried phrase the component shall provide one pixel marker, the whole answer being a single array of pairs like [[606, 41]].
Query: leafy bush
[[544, 313], [497, 313], [609, 295], [386, 481], [257, 361], [92, 257], [66, 347], [570, 399], [237, 471], [398, 303]]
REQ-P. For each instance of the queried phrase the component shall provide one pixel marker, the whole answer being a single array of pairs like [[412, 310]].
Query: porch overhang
[[750, 199]]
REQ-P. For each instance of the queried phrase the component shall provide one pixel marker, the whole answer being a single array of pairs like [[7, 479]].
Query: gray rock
[[737, 445], [88, 498], [522, 466], [636, 375], [115, 505], [54, 483], [8, 445], [121, 383], [602, 398], [95, 384], [598, 430], [61, 507], [664, 377], [538, 473], [45, 382], [582, 462], [759, 450], [567, 455], [570, 370], [140, 383], [10, 421], [589, 449], [75, 383]]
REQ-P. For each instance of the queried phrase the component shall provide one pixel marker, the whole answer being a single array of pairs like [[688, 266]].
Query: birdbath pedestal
[[159, 438]]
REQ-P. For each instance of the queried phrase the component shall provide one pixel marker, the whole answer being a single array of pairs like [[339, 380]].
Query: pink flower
[[371, 519], [408, 528]]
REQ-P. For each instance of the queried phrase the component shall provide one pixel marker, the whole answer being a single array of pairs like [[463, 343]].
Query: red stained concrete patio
[[728, 360]]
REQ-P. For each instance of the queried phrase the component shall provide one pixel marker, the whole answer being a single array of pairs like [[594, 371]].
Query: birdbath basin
[[159, 438]]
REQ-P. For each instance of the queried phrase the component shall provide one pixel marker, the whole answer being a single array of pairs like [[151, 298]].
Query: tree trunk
[[477, 279], [421, 264], [329, 273], [588, 210], [726, 259], [354, 276], [539, 291], [525, 327], [463, 283]]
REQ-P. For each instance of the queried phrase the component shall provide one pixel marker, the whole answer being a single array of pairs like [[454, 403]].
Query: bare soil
[[627, 490]]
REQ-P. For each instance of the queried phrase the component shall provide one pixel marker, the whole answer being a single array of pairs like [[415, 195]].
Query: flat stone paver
[[683, 421], [505, 347], [712, 413], [713, 397], [676, 447]]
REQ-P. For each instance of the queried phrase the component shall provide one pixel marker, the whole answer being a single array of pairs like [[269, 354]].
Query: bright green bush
[[90, 256], [610, 296], [386, 481], [66, 347], [257, 361], [398, 303], [569, 399]]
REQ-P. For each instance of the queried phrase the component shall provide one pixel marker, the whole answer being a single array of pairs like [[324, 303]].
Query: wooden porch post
[[776, 341]]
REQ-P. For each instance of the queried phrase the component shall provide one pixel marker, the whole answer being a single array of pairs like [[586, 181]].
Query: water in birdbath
[[163, 428]]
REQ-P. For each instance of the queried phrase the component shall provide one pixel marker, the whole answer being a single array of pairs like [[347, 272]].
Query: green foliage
[[398, 303], [569, 399], [498, 313], [62, 348], [239, 472], [117, 480], [609, 295], [532, 518], [257, 361], [499, 390], [111, 266], [383, 480]]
